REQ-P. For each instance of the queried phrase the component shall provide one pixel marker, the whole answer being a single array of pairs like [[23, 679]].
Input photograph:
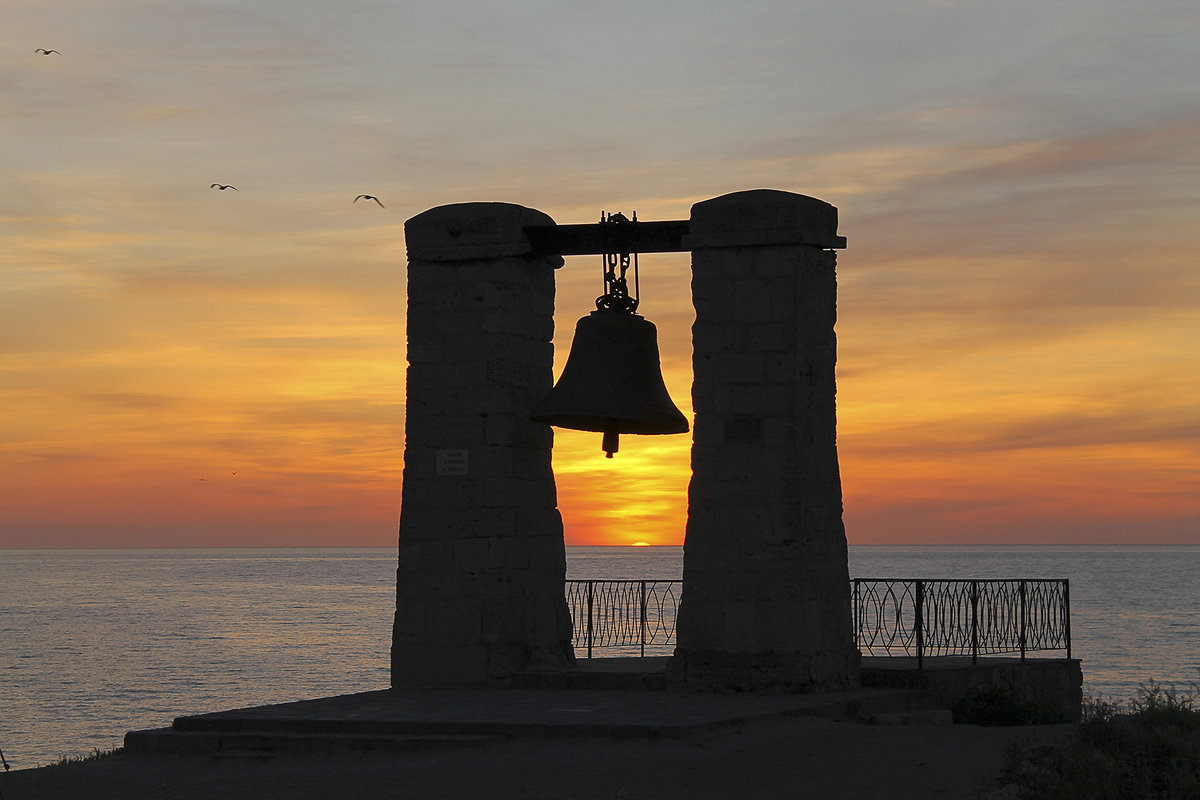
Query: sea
[[94, 643]]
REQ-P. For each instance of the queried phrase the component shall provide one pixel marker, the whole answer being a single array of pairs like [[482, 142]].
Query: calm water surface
[[97, 642]]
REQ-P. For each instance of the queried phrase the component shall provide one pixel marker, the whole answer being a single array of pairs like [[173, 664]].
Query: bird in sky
[[46, 52], [223, 186], [369, 197]]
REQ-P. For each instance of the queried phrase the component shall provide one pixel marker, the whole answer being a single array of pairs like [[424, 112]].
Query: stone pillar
[[479, 587], [766, 598]]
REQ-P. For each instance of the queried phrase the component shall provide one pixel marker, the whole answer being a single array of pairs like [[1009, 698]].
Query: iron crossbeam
[[601, 238]]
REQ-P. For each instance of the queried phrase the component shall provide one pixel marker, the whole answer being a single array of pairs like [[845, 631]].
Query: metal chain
[[616, 295]]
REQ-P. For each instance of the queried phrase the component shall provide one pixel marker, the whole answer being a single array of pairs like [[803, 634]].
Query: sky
[[1019, 303]]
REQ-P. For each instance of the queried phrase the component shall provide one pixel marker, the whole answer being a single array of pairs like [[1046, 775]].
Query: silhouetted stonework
[[479, 587], [766, 602]]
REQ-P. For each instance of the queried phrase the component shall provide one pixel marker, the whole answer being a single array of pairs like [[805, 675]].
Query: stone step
[[246, 729], [264, 744], [617, 681], [434, 718], [629, 673]]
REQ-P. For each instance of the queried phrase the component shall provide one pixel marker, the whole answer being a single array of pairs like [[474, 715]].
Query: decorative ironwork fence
[[630, 615], [913, 617], [892, 616]]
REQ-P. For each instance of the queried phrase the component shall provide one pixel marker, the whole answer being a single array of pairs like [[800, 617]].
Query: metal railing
[[916, 617], [629, 615], [892, 616]]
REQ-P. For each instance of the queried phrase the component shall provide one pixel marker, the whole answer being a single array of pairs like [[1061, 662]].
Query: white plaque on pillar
[[452, 462]]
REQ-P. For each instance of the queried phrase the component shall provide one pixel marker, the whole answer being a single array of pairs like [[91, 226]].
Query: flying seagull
[[46, 52], [369, 197], [223, 186]]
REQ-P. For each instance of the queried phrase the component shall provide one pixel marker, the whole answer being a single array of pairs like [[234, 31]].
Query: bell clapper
[[609, 443]]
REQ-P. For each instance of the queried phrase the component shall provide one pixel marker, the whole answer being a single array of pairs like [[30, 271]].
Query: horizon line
[[637, 546]]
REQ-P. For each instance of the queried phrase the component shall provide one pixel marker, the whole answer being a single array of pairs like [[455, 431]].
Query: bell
[[612, 382]]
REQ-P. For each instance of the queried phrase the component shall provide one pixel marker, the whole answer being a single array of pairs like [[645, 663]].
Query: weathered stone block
[[739, 634], [499, 429], [539, 522], [446, 525], [517, 324], [712, 297], [415, 585], [774, 398], [410, 623], [777, 626], [703, 625], [461, 431], [739, 368], [457, 623], [437, 555], [425, 352], [469, 554], [509, 552], [529, 461], [548, 556], [783, 368], [509, 372], [516, 493], [443, 492]]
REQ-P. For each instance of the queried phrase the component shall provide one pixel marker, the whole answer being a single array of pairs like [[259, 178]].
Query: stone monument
[[766, 599], [479, 587]]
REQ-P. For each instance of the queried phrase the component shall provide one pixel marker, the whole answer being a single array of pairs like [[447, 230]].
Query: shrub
[[1149, 748], [95, 755]]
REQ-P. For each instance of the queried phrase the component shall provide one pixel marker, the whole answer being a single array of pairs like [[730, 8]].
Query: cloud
[[1109, 429], [132, 400]]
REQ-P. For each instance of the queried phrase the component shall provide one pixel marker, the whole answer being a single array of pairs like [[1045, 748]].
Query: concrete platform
[[407, 719], [607, 697]]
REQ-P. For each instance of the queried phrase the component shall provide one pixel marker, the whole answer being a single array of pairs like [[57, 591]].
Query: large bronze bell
[[612, 382]]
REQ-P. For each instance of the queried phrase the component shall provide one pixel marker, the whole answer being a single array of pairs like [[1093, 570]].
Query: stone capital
[[472, 232], [763, 217]]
